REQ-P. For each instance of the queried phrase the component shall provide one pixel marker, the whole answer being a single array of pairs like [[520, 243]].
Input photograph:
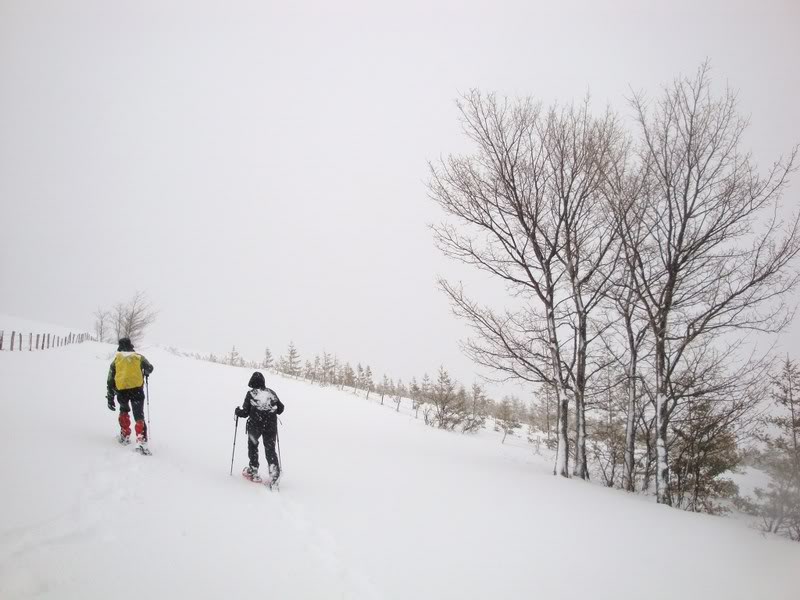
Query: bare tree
[[703, 238], [533, 196], [130, 320], [102, 324], [627, 342]]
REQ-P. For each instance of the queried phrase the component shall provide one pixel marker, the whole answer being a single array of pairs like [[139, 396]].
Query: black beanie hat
[[257, 381], [125, 345]]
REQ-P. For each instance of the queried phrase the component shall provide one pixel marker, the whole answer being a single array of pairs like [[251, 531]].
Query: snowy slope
[[373, 504]]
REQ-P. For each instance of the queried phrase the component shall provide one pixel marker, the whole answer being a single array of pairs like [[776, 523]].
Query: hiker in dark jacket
[[261, 409], [126, 377]]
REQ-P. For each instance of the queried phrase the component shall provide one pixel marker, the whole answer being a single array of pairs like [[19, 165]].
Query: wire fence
[[29, 341]]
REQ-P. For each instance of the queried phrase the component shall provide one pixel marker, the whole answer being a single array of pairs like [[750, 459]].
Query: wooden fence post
[[30, 342], [48, 340], [37, 341], [13, 335]]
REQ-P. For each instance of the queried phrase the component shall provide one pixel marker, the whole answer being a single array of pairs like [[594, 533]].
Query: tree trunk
[[562, 397], [581, 468], [662, 459], [630, 429], [562, 449], [547, 412]]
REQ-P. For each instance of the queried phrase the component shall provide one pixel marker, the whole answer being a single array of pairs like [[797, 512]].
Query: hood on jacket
[[257, 381]]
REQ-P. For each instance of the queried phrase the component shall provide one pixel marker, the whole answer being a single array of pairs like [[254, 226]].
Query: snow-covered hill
[[373, 504]]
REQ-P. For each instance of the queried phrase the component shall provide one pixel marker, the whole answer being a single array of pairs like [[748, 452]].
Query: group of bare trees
[[636, 261], [126, 319]]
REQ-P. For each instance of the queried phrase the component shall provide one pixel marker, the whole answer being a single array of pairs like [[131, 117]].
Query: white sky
[[258, 167]]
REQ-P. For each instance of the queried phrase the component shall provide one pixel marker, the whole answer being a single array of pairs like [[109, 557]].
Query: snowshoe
[[122, 440], [143, 450], [251, 475]]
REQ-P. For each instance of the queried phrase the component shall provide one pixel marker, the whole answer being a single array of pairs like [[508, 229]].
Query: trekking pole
[[235, 430], [147, 387], [278, 441]]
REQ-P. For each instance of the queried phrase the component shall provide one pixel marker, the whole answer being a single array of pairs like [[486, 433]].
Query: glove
[[111, 405], [238, 411]]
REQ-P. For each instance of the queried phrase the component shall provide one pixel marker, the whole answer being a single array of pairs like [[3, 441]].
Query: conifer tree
[[399, 392], [368, 380], [268, 360], [506, 417], [385, 388], [234, 358], [348, 376], [780, 502], [293, 361], [359, 376], [448, 406], [424, 393], [327, 368], [316, 374]]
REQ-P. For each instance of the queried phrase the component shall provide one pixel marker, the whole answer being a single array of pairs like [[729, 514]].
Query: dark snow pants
[[256, 432]]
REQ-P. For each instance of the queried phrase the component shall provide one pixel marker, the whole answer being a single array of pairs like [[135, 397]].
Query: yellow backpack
[[128, 371]]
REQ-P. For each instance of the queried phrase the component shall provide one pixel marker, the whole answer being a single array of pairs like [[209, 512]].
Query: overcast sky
[[258, 168]]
